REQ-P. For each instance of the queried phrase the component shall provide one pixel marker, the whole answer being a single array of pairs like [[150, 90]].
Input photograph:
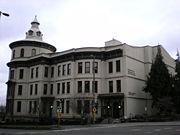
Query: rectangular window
[[58, 88], [12, 74], [45, 89], [21, 73], [51, 90], [87, 67], [46, 72], [19, 106], [118, 85], [67, 106], [79, 86], [64, 70], [19, 90], [31, 89], [35, 107], [62, 106], [57, 104], [63, 87], [59, 70], [95, 67], [32, 72], [68, 87], [87, 86], [79, 67], [86, 106], [118, 66], [30, 106], [79, 106], [110, 86], [52, 71], [110, 67], [69, 69], [37, 72], [36, 89]]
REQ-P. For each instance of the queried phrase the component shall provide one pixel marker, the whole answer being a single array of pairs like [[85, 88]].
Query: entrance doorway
[[116, 110], [112, 105]]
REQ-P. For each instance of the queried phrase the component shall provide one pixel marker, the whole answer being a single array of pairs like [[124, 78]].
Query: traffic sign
[[59, 109], [59, 115], [94, 109]]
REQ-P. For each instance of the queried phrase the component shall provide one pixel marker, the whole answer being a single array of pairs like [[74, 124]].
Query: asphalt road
[[102, 130]]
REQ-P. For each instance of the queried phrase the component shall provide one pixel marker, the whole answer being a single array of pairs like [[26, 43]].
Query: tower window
[[30, 32], [33, 53], [13, 55], [22, 53], [38, 33]]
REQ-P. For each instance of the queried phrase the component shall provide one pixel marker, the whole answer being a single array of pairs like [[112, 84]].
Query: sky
[[70, 24]]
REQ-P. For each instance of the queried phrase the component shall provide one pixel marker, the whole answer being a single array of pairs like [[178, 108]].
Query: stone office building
[[42, 80]]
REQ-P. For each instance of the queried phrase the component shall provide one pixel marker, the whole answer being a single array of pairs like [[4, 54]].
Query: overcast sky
[[70, 24]]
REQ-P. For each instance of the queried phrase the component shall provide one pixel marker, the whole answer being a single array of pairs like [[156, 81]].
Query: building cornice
[[72, 56], [34, 43]]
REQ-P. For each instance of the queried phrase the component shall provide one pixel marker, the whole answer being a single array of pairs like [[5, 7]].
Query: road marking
[[137, 129], [168, 128], [157, 130], [178, 130], [148, 132]]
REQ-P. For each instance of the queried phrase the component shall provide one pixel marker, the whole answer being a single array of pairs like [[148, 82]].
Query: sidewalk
[[129, 124], [66, 127]]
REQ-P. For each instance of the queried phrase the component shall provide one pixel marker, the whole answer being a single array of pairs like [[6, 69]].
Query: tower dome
[[34, 33]]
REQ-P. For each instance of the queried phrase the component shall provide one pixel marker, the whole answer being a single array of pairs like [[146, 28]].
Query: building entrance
[[112, 105]]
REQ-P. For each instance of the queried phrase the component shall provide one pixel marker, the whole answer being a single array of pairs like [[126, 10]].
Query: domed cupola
[[32, 45], [34, 32]]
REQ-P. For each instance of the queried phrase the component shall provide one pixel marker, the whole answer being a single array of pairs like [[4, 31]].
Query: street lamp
[[5, 14]]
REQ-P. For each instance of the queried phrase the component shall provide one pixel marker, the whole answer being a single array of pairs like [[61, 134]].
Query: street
[[109, 129]]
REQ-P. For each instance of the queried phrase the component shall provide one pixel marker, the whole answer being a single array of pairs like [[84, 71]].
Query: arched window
[[30, 32], [38, 33], [33, 53], [22, 53], [13, 55]]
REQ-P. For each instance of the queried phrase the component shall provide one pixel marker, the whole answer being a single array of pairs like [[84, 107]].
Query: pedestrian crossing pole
[[59, 116]]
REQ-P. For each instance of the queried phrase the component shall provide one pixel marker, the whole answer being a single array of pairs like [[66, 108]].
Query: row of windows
[[33, 106], [87, 86], [62, 105], [118, 86], [33, 53], [66, 86], [87, 67], [38, 33], [118, 66], [66, 70], [62, 88]]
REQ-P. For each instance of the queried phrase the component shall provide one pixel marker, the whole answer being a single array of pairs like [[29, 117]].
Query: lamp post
[[5, 14]]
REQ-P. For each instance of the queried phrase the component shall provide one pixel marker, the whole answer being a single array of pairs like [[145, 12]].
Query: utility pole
[[93, 91]]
